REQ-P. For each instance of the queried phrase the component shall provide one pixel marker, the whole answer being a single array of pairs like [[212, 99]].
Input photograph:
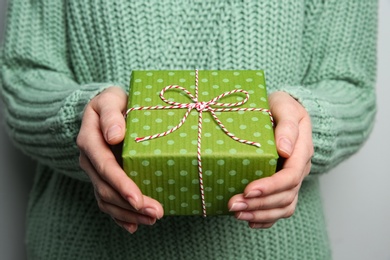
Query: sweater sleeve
[[338, 89], [43, 102]]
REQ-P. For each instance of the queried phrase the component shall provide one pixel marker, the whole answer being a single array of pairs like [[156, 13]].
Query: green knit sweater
[[57, 55]]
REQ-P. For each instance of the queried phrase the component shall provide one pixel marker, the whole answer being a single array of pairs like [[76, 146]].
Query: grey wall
[[356, 194]]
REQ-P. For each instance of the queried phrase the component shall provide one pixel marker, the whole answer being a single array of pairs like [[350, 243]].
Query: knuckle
[[102, 193], [290, 125], [290, 212]]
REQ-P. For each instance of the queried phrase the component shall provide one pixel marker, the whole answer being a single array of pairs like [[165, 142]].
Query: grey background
[[356, 194]]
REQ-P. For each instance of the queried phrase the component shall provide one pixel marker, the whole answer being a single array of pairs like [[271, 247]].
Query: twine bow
[[201, 106]]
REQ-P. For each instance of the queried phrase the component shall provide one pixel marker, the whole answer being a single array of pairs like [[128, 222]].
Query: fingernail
[[113, 132], [238, 206], [285, 145], [133, 202], [253, 194], [255, 225], [245, 216], [130, 227], [150, 212]]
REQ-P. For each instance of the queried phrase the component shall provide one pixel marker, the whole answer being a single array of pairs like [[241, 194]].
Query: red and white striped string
[[201, 107]]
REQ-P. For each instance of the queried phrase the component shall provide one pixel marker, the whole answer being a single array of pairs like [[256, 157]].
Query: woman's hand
[[267, 200], [103, 126]]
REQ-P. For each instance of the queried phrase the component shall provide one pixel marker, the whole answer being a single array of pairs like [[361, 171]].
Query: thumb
[[287, 113], [110, 105]]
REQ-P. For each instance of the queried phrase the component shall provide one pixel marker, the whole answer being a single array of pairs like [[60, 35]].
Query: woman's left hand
[[267, 200]]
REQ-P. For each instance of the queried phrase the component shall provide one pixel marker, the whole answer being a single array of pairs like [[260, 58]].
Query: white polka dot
[[184, 205], [194, 127], [158, 120], [194, 113], [146, 127], [239, 98], [172, 212], [259, 74], [149, 74], [135, 120], [236, 73], [195, 212], [244, 181], [225, 80], [145, 143], [192, 87], [171, 73], [157, 151], [270, 142], [237, 86], [160, 80], [208, 151], [257, 134], [194, 162], [145, 163], [231, 189], [233, 151], [205, 93], [215, 87], [214, 73], [253, 105], [249, 80], [268, 127], [243, 127], [263, 99], [194, 142], [208, 205], [132, 152], [246, 162], [147, 113], [229, 120], [220, 181], [241, 112], [261, 86], [195, 197], [192, 73], [158, 173], [159, 189], [138, 80], [170, 142], [232, 173], [205, 80], [146, 182], [133, 173], [255, 119], [171, 113], [171, 162], [183, 189], [208, 173], [259, 173], [221, 162], [171, 181], [183, 151], [207, 134], [148, 86], [208, 189], [272, 162], [259, 151], [183, 134], [219, 197], [195, 181], [183, 173], [206, 120], [251, 91], [220, 142], [133, 135], [148, 99]]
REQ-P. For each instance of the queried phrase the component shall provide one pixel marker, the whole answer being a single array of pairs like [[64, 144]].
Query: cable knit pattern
[[57, 55]]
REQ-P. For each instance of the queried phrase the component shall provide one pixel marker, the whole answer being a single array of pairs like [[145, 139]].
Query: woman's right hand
[[103, 126]]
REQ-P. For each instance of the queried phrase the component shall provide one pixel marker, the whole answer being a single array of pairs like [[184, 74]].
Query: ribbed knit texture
[[59, 54]]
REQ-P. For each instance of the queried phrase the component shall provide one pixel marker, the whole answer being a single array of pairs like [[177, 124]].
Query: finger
[[126, 215], [129, 227], [92, 143], [278, 200], [287, 114], [110, 105], [261, 225], [267, 216]]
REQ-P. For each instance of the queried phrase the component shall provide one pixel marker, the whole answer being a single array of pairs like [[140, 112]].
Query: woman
[[65, 69]]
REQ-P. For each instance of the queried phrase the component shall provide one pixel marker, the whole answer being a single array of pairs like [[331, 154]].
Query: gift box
[[196, 138]]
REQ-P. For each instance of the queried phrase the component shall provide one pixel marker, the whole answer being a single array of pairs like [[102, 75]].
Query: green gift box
[[196, 138]]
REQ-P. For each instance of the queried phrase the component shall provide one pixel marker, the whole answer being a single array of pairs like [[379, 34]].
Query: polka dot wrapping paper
[[167, 166]]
